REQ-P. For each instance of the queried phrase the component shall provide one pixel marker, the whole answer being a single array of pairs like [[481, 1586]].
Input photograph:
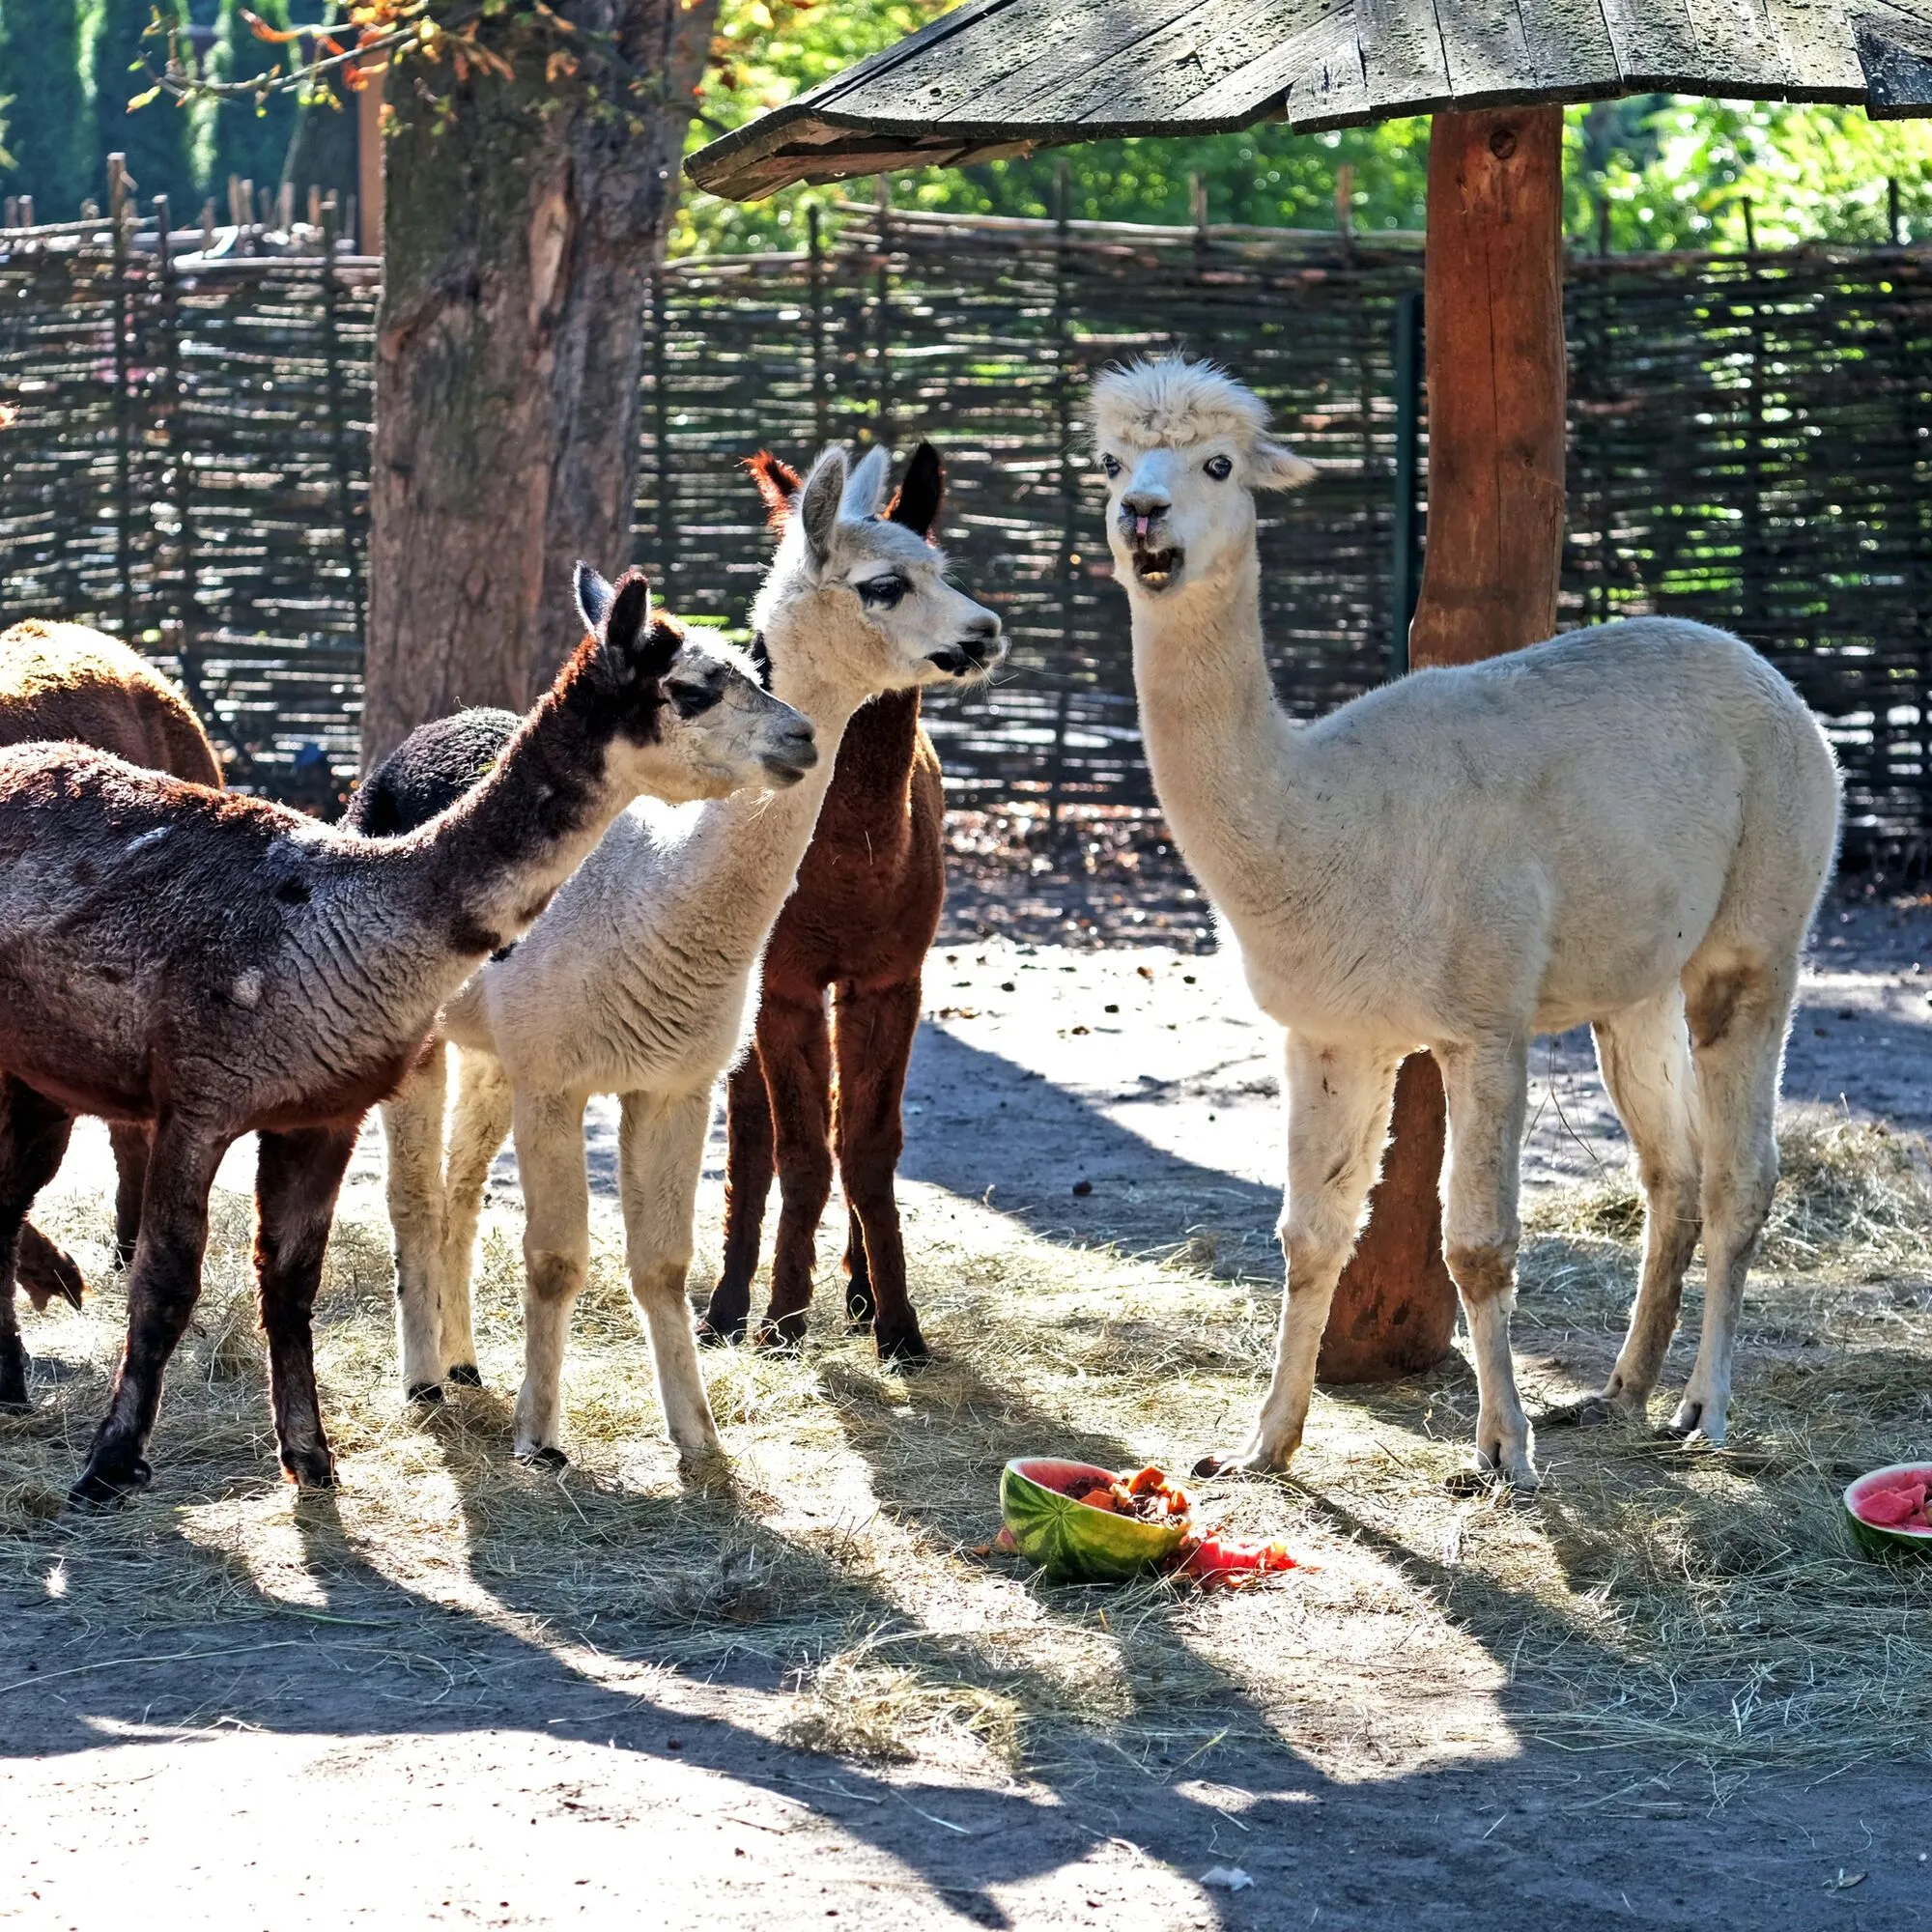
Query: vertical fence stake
[[821, 396], [1405, 524], [123, 427], [338, 427], [882, 340], [1069, 486], [174, 413], [660, 434]]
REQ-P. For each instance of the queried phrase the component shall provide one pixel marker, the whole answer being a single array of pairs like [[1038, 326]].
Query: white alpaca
[[1629, 825], [638, 981]]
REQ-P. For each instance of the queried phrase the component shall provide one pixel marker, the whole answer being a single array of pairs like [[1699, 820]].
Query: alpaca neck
[[1222, 751], [490, 864], [874, 767]]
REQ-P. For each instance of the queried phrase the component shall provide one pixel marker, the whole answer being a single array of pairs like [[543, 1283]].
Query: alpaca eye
[[1111, 464], [882, 591], [691, 699], [1220, 468]]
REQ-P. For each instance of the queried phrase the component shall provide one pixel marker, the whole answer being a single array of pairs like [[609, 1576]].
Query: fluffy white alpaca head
[[1183, 448], [865, 596]]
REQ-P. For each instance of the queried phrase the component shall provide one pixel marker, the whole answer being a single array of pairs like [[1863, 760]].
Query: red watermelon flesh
[[1899, 1503]]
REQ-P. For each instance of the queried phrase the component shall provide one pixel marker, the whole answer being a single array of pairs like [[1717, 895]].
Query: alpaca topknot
[[1166, 400]]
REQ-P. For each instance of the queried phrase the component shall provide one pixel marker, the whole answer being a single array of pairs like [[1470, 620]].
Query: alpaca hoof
[[1496, 1469], [46, 1272], [1249, 1463], [13, 1377], [860, 1310], [908, 1347], [1590, 1412], [543, 1456], [309, 1469], [1685, 1425], [721, 1331], [465, 1376], [424, 1395], [783, 1337], [107, 1484]]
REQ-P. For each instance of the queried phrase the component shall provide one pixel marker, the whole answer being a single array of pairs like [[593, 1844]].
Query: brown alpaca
[[859, 925], [65, 681], [212, 966]]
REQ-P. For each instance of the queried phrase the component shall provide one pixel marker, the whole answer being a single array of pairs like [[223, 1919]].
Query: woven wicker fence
[[1751, 444]]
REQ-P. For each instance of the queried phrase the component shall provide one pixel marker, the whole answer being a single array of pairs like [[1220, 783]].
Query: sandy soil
[[351, 1781]]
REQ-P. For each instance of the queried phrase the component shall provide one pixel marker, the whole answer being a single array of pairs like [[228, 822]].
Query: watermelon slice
[[1888, 1511], [1078, 1541]]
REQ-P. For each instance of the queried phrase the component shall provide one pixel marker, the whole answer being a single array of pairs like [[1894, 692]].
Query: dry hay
[[1704, 1605]]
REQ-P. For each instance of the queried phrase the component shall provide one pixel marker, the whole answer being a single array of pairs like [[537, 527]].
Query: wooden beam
[[369, 162], [1496, 372]]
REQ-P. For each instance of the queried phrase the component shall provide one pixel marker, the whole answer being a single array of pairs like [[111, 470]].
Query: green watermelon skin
[[1872, 1537], [1075, 1542]]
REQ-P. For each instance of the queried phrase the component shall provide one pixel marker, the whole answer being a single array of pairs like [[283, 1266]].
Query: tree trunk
[[1497, 374], [523, 219]]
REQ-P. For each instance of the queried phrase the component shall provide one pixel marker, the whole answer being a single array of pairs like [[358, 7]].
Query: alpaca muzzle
[[790, 757]]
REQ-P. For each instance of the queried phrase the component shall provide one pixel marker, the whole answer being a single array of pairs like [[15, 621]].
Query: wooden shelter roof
[[1003, 77]]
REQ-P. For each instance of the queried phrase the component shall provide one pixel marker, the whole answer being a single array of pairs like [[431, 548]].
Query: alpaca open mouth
[[1157, 568], [962, 661]]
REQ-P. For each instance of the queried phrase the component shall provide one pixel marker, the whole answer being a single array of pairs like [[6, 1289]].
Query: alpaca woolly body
[[218, 965], [638, 981], [1628, 826]]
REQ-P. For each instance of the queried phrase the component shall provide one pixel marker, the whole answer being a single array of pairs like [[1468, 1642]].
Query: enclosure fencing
[[1750, 444]]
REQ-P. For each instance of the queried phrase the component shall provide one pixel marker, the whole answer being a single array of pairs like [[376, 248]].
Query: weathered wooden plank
[[1484, 52], [1569, 42], [1819, 49], [1316, 73], [1655, 43], [1895, 49], [1403, 62], [1738, 50]]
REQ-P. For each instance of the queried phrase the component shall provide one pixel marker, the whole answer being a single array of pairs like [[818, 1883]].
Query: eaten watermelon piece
[[1898, 1506]]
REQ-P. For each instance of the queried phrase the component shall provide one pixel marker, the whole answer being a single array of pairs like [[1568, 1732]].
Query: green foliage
[[123, 62], [1664, 173], [48, 133], [246, 136]]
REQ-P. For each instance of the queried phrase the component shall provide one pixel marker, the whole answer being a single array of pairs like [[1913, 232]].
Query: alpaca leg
[[660, 1157], [1738, 1019], [1645, 1057], [796, 1046], [298, 1177], [873, 1032], [163, 1288], [859, 1305], [748, 1181], [413, 1127], [1486, 1087], [129, 1141], [32, 1140], [1338, 1116], [477, 1130], [556, 1255]]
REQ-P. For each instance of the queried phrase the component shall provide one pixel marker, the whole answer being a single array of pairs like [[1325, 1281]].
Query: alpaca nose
[[1143, 508]]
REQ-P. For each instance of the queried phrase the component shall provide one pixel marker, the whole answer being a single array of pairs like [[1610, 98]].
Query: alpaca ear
[[1273, 465], [819, 502], [626, 624], [778, 483], [922, 490], [662, 643], [593, 599], [867, 484]]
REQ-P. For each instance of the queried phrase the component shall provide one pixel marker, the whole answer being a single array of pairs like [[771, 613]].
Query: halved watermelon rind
[[1073, 1541], [1874, 1539]]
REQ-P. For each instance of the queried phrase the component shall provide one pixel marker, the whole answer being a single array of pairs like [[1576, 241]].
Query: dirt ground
[[345, 1747]]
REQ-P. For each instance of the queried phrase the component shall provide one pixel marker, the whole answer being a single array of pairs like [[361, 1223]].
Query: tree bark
[[1497, 374], [522, 220]]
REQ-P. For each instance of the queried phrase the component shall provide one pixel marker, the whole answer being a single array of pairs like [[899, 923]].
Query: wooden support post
[[1496, 375], [366, 217]]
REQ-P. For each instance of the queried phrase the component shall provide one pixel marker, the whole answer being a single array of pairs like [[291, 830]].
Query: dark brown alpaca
[[211, 966], [857, 926], [65, 681]]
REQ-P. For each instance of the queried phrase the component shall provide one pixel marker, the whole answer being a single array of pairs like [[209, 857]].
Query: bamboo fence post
[[1405, 521], [338, 426], [821, 396], [123, 427], [1069, 488], [181, 468], [882, 343], [667, 517]]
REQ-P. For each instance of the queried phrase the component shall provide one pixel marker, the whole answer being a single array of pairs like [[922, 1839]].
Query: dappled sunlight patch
[[837, 1565]]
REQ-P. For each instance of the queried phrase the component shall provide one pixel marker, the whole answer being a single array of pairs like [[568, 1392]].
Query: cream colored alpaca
[[1628, 825], [638, 980]]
